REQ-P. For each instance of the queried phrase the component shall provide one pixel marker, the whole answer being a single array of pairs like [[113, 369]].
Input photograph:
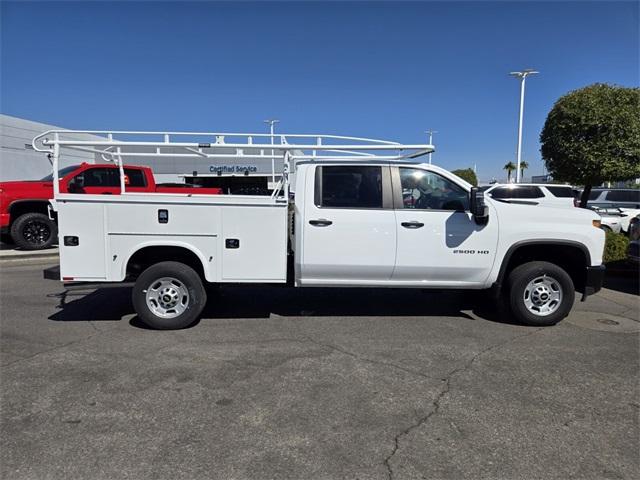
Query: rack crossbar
[[215, 145]]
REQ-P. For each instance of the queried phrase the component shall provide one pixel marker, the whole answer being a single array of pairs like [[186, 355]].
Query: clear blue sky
[[385, 70]]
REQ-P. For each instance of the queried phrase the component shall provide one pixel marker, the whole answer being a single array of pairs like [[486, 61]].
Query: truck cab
[[414, 225], [381, 224]]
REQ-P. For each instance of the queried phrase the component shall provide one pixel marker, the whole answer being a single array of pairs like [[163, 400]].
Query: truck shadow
[[92, 305], [113, 304], [623, 277]]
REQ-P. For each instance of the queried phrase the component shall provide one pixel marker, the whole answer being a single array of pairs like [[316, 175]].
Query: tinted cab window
[[106, 180], [99, 177], [135, 177], [424, 190], [349, 187]]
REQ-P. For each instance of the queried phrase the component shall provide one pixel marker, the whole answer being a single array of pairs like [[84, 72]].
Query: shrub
[[615, 247], [467, 174]]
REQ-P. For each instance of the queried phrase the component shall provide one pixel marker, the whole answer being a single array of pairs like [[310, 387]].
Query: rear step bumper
[[52, 273]]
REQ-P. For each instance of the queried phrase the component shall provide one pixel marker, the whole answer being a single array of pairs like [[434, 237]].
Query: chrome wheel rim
[[543, 295], [167, 297], [36, 232]]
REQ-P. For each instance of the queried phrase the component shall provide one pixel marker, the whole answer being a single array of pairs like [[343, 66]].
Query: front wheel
[[169, 296], [540, 293]]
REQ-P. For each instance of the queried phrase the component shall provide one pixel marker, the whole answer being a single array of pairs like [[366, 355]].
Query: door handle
[[320, 222], [412, 224]]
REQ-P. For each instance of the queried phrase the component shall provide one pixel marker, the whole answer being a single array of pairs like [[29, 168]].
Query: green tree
[[467, 174], [523, 166], [509, 167], [592, 135]]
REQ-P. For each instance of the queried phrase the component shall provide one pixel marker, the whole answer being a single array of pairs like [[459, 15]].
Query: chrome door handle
[[320, 222], [412, 224]]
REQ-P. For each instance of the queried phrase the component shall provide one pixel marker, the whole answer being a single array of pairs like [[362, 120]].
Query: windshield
[[61, 173]]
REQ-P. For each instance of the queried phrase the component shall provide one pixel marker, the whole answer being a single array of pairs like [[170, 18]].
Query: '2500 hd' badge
[[472, 252]]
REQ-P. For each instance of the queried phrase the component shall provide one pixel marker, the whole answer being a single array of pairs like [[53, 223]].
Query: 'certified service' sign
[[233, 168]]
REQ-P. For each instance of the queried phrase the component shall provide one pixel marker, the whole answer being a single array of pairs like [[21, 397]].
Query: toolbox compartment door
[[254, 244], [81, 238]]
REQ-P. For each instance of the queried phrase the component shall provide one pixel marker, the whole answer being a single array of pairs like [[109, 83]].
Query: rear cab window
[[349, 186], [134, 177]]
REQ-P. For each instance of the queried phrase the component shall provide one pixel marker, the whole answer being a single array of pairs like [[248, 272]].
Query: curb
[[45, 257]]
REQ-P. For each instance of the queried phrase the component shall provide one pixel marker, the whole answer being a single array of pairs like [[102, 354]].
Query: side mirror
[[478, 208]]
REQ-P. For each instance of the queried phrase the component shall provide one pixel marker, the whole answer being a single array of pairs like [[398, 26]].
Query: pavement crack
[[95, 328], [631, 314], [53, 349], [371, 360], [444, 391]]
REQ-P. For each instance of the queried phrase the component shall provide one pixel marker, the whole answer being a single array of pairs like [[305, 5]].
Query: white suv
[[533, 194]]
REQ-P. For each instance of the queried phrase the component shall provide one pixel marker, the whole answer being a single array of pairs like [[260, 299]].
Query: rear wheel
[[540, 293], [34, 231], [169, 296]]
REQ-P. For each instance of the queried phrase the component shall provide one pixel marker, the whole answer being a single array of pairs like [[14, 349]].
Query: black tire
[[34, 231], [520, 278], [189, 293]]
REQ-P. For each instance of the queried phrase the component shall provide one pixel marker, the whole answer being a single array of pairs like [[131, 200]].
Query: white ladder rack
[[116, 144]]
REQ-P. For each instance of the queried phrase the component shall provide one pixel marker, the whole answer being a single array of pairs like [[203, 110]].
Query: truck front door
[[349, 231], [439, 242]]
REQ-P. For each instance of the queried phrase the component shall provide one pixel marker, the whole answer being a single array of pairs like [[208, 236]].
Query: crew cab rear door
[[349, 233], [439, 242]]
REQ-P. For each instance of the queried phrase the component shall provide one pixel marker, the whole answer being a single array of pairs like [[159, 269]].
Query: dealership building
[[19, 161]]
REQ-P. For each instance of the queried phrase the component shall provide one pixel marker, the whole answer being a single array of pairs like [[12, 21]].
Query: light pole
[[522, 76], [430, 132], [271, 122]]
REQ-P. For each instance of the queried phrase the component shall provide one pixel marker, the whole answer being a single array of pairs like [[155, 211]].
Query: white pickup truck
[[347, 212]]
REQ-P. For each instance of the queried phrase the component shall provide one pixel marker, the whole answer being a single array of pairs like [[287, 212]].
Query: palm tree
[[509, 167], [523, 166]]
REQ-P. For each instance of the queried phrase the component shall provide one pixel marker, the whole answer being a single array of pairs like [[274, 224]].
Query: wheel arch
[[148, 253], [33, 205], [570, 255]]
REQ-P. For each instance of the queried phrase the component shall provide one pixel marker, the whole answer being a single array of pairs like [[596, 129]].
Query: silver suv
[[614, 198]]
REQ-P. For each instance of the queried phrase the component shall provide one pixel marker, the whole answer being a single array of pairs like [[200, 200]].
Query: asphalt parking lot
[[277, 383]]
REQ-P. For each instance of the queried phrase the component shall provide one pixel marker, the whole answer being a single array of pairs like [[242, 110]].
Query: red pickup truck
[[24, 205]]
